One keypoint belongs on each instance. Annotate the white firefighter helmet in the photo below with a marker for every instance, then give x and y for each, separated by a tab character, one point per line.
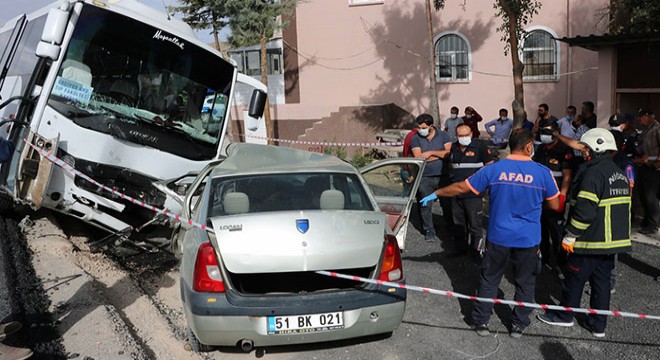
599	140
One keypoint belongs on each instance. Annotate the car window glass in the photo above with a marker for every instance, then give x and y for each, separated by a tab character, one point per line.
392	180
286	192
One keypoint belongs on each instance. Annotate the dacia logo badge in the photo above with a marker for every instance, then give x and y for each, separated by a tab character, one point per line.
302	225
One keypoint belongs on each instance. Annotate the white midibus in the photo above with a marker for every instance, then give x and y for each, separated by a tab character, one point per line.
121	92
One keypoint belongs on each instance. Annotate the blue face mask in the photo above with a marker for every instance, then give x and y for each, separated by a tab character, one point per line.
570	117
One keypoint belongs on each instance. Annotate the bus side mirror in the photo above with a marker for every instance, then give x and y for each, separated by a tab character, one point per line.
53	34
257	103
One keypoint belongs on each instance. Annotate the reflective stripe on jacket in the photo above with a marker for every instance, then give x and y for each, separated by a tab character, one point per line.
600	218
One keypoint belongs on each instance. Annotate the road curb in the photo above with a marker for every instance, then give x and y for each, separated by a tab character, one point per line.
641	238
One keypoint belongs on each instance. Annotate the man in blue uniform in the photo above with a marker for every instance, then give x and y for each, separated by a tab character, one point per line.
518	189
467	156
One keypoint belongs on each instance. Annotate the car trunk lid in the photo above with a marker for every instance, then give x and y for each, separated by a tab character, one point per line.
281	242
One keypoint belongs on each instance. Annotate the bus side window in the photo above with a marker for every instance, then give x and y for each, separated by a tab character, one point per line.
26	58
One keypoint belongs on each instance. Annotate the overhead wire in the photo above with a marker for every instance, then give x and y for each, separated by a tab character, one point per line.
368	29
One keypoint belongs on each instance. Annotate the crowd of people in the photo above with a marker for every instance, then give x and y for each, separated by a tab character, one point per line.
564	197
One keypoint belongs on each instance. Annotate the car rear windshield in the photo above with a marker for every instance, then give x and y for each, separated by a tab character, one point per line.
285	192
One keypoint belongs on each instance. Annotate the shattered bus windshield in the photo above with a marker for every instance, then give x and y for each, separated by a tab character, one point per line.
142	84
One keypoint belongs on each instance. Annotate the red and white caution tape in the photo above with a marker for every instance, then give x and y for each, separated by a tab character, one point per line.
68	168
496	301
323	143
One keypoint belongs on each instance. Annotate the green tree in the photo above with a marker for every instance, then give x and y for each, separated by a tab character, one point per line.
515	15
204	14
254	22
435	108
633	16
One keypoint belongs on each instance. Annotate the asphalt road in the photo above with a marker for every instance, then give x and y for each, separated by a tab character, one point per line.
433	327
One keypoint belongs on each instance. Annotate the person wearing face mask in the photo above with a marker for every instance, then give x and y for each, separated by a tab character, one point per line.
467	156
620	127
579	128
624	140
500	129
566	123
434	146
452	122
598	229
472	119
518	190
558	157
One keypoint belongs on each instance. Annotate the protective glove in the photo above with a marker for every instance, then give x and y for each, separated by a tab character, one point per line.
562	203
567	243
429	198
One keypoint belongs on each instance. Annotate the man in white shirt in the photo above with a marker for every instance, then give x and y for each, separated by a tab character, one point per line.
566	123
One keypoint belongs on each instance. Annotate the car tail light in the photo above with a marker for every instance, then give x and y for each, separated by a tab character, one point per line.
207	276
391	268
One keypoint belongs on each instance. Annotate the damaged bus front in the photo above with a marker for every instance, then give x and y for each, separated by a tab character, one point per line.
118	91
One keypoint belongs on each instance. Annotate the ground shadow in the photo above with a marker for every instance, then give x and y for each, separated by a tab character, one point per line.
406	58
554	350
640	266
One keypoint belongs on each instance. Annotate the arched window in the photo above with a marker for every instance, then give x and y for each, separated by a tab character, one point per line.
539	54
452	57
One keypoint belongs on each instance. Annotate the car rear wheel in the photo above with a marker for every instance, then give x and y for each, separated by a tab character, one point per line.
175	246
194	343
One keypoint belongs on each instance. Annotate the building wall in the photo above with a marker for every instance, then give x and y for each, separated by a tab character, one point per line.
377	54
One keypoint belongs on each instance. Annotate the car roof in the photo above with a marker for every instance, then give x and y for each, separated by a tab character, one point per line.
244	158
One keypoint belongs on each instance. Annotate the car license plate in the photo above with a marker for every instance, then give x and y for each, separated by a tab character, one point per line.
297	324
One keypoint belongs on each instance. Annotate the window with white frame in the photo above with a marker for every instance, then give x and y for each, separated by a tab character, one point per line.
452	58
539	55
249	61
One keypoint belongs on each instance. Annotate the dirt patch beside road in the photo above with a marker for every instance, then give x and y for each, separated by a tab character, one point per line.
105	311
28	302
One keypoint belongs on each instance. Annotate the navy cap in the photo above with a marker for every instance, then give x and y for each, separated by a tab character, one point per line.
644	111
616	120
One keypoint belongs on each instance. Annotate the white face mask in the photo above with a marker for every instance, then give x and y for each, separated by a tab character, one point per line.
532	154
453	116
503	118
546	139
616	128
424	132
465	140
469	116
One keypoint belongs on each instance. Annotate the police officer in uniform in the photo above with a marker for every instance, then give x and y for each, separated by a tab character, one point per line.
467	156
625	137
558	158
599	228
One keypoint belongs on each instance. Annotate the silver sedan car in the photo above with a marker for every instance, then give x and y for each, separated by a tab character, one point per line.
277	216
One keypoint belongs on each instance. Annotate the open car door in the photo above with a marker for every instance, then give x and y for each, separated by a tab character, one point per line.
394	183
